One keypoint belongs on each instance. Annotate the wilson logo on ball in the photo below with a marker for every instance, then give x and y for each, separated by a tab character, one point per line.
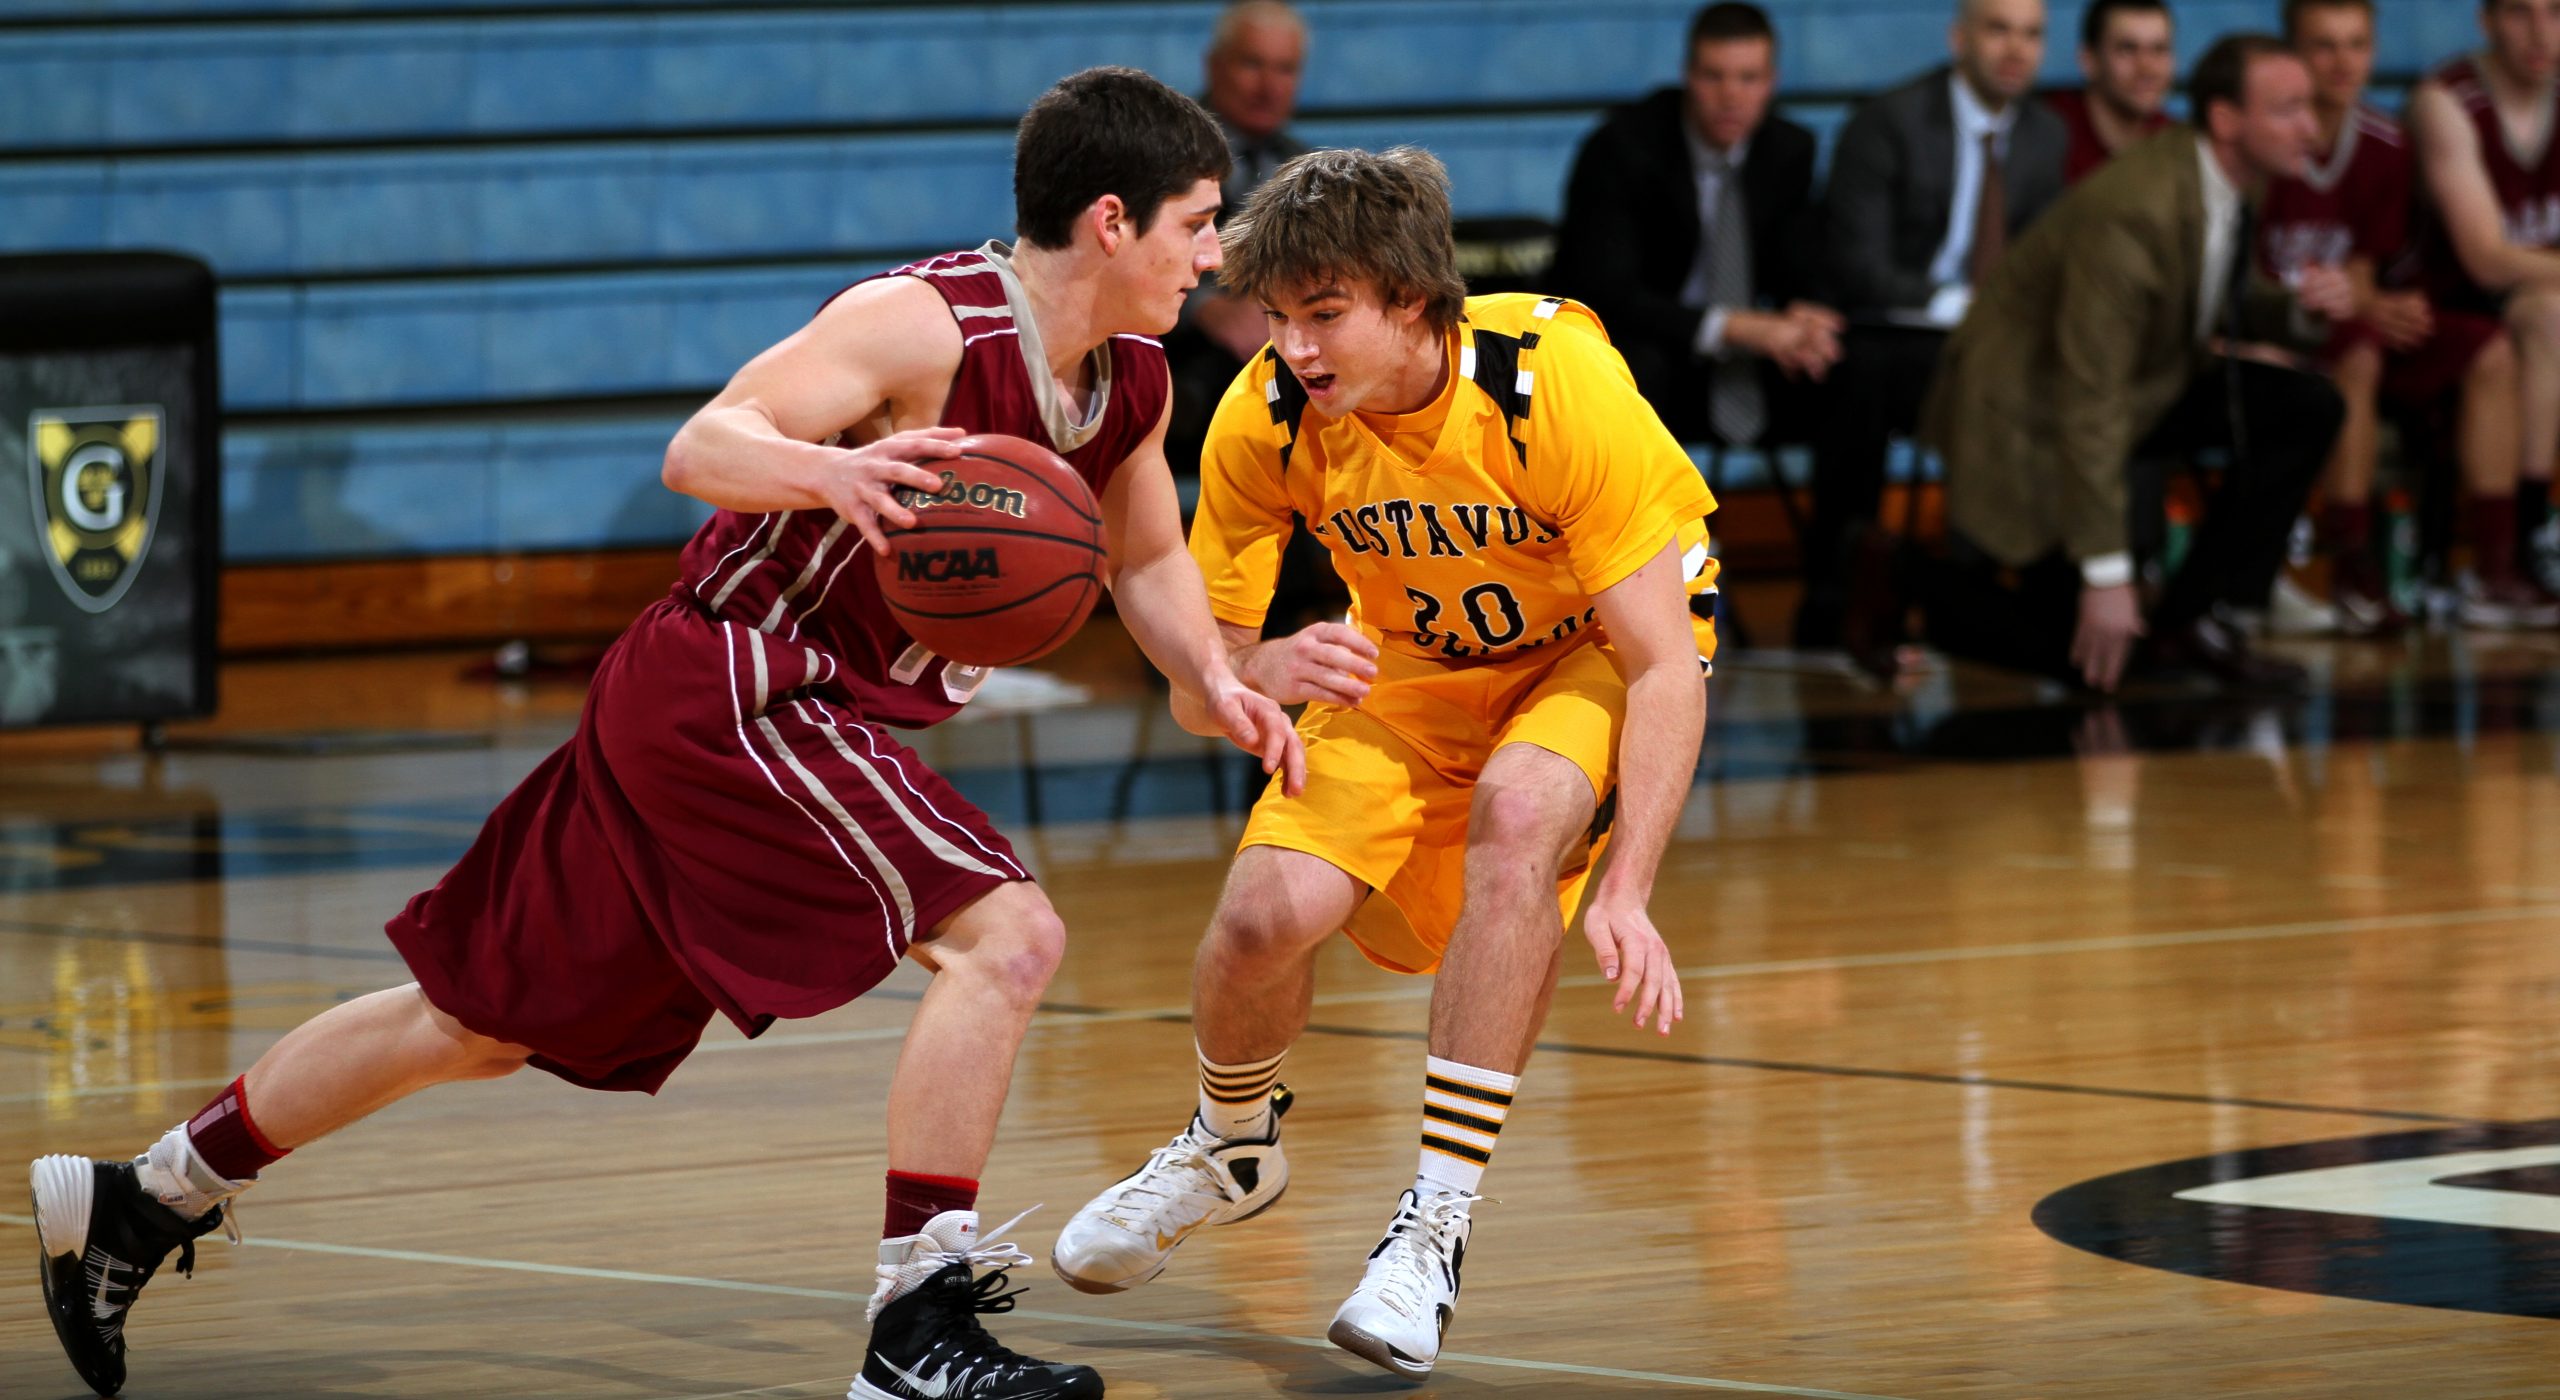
955	492
947	565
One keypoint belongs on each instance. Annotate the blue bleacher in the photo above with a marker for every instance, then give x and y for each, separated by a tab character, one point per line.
416	212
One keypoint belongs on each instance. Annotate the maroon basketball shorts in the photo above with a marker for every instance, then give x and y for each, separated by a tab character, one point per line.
2430	370
721	834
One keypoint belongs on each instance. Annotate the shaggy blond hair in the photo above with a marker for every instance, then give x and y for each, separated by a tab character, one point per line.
1380	217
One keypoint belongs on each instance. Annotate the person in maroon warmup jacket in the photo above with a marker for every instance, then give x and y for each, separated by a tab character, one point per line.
733	830
2350	209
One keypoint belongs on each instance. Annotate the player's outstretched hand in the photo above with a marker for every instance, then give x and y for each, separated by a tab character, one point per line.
860	481
1260	727
1634	956
1329	661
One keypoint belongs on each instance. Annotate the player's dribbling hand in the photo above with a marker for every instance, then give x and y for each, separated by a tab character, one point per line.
1633	955
1329	661
861	480
1256	724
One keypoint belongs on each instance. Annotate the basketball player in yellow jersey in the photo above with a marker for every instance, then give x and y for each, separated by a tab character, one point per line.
1524	542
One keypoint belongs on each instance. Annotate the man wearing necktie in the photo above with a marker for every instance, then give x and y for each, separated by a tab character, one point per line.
1931	182
1687	226
2095	348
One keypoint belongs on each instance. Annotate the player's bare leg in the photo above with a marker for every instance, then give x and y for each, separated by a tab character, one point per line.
1255	975
353	1061
2533	323
1496	980
1530	805
2358	592
104	1227
991	963
1252	985
2499	590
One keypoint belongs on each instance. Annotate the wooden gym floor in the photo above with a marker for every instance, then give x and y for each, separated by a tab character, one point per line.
1979	980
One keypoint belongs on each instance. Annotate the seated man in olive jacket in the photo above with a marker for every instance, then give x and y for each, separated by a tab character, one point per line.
2095	344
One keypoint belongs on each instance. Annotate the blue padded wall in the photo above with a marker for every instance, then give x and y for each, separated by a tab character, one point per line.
416	212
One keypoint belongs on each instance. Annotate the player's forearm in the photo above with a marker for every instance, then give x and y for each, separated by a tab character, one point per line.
2501	266
1667	707
733	457
1166	609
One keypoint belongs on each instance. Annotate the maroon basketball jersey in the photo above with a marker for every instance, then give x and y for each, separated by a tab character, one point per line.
805	576
2352	202
2527	182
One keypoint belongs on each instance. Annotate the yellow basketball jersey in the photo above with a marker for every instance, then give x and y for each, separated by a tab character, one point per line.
1478	528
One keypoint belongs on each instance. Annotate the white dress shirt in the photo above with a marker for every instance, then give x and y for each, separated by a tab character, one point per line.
2221	238
1709	165
1947	270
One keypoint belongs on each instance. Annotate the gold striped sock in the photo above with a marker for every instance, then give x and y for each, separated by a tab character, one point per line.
1235	1100
1463	1110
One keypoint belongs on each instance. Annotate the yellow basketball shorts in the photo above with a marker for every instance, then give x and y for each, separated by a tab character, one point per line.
1389	784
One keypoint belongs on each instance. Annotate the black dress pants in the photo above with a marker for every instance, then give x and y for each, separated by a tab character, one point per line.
1873	394
2276	424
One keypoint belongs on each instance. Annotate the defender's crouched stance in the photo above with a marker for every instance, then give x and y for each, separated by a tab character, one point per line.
1524	544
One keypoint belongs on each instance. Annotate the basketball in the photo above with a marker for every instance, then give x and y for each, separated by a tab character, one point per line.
1004	562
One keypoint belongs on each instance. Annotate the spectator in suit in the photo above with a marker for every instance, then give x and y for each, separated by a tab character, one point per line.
2126	55
1931	181
1252	68
2095	346
1689	226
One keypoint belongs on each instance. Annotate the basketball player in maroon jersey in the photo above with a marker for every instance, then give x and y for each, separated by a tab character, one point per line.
2483	125
2350	209
733	830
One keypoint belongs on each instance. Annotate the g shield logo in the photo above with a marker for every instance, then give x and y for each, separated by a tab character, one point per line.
2466	1218
96	477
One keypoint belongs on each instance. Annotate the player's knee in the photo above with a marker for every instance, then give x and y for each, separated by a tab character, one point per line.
1026	955
2534	318
1518	831
471	1055
1253	932
2494	366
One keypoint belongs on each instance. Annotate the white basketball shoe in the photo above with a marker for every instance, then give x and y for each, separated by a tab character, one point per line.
1401	1310
1126	1235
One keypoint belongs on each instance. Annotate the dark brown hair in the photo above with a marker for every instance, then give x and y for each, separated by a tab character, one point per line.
1726	21
1108	131
2093	20
2295	9
2222	75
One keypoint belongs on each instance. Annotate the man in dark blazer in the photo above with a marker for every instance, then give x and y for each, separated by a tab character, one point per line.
2098	346
1689	226
1930	182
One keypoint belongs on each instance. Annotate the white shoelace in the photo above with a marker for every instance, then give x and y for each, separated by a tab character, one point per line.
1419	1242
1153	1189
927	1260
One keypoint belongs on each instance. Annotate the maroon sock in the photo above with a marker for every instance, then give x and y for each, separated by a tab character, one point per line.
915	1198
2490	523
2349	525
227	1139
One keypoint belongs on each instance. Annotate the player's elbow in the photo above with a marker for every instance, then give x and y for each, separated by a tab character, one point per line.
2488	263
681	469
